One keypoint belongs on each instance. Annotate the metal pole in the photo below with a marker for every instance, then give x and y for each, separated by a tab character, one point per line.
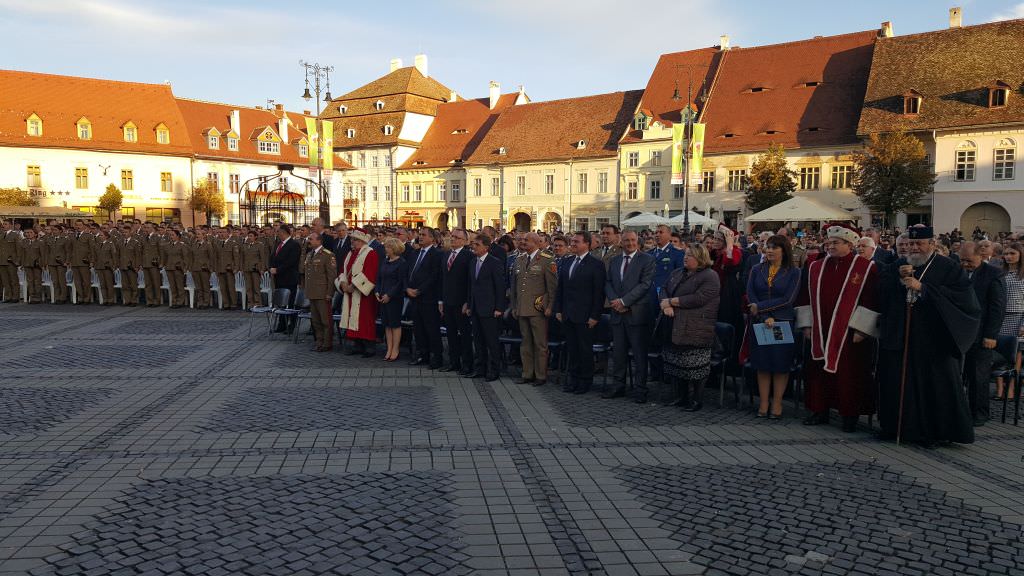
686	154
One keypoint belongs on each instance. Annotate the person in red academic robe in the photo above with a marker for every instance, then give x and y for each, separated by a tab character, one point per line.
838	310
359	305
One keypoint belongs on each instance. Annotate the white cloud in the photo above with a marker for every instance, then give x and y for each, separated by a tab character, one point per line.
1014	12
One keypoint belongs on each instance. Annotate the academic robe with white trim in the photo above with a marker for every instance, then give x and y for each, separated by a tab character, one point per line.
360	310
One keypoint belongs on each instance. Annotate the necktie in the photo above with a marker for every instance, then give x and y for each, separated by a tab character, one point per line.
279	246
451	258
572	270
479	263
423	252
625	266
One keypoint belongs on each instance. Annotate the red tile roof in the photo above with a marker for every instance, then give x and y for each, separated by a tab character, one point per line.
765	88
406	80
60	101
201	116
545	131
951	70
456	132
672	71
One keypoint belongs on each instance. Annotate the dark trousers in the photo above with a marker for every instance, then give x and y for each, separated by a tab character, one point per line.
201	281
58	275
460	338
287	323
628	338
426	322
579	342
106	276
977	373
228	292
488	349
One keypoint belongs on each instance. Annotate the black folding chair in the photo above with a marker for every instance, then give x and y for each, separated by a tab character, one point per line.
1008	347
278	299
603	343
556	347
726	335
510	337
288	312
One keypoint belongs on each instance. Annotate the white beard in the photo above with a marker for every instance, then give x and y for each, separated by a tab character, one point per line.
918	260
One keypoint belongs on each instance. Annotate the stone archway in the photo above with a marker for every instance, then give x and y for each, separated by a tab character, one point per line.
522	221
989	216
552	222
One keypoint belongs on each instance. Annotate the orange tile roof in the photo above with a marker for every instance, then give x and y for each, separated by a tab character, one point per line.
672	71
406	80
951	70
456	131
764	88
201	116
549	131
60	101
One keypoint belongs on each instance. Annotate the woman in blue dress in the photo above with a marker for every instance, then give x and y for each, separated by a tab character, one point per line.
390	290
771	290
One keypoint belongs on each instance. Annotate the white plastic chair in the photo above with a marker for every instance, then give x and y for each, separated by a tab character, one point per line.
165	283
94	284
48	283
69	279
266	286
142	280
23	282
240	290
215	289
190	287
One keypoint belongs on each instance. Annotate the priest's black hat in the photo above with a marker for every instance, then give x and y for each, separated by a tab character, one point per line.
920	232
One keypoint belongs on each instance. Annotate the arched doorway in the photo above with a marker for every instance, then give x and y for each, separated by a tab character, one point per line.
990	217
442	221
522	221
552	222
348	218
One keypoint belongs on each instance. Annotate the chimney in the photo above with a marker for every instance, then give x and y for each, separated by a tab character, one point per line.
886	31
307	112
956	17
279	108
420	62
396	63
453	96
494	93
282	129
723	42
236	124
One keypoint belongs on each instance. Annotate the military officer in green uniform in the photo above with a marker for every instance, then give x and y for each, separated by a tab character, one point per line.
321	269
55	255
254	264
105	260
202	258
175	262
151	248
30	255
10	285
533	294
226	263
80	261
130	262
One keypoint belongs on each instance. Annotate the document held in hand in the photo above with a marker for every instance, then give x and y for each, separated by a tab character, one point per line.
779	333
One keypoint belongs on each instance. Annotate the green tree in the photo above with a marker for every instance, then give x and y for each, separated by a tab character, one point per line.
892	174
111	201
206	198
771	179
16	197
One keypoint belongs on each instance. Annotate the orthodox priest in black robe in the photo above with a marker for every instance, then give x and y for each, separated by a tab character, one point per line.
943	323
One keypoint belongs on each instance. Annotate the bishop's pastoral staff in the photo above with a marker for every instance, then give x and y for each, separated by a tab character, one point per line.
930	318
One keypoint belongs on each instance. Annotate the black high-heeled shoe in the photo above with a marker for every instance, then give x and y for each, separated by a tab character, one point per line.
693	407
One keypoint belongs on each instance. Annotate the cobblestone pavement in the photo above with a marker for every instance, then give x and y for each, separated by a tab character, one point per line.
154	441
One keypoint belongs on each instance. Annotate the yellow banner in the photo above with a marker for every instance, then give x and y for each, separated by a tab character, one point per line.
314	142
697	154
328	141
677	153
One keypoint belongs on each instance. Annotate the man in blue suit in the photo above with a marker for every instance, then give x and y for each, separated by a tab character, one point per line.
626	287
666	259
579	300
486	306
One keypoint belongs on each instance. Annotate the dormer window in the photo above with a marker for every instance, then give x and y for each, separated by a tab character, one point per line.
998	93
131	133
303	150
232	144
771	132
812	84
460	131
814	129
350	133
419	163
640	122
213	142
163	135
728	135
389	129
34	125
912	102
757	89
581	145
379	104
502	151
342	109
84	129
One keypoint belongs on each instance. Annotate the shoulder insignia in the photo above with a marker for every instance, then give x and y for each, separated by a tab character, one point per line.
545	255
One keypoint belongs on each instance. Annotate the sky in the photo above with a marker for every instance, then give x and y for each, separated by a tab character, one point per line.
246	52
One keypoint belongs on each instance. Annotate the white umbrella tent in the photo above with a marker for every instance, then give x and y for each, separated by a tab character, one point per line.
645	219
801	209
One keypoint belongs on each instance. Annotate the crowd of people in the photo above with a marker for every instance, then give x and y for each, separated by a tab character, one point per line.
902	323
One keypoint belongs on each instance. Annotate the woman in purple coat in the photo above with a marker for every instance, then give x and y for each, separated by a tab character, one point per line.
771	290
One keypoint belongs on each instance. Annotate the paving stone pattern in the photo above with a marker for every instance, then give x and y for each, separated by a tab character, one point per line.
148	441
373	523
30	409
358	408
822	519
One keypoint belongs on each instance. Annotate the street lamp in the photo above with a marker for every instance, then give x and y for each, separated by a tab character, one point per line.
318	72
689	115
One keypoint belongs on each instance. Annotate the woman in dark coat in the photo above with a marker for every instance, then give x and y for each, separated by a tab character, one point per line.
691	300
771	290
390	288
727	260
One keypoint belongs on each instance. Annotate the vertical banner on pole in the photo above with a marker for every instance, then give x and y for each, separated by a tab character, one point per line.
677	153
314	142
328	142
697	155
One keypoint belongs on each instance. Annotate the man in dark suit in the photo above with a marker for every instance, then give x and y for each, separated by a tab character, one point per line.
486	306
284	269
340	245
424	292
991	293
496	250
455	293
627	287
579	300
411	249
